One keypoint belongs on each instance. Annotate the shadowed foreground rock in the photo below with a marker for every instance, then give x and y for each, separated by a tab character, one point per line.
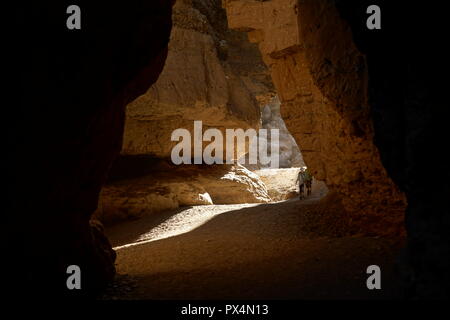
408	96
67	129
154	185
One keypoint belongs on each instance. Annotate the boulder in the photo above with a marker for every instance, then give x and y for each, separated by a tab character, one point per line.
166	186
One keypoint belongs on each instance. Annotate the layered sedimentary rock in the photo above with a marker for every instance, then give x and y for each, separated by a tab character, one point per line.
213	75
198	83
163	186
321	78
66	130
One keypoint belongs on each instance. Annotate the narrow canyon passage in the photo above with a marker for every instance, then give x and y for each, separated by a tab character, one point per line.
290	249
188	229
139	120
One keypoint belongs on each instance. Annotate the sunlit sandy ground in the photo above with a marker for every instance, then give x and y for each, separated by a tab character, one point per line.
284	250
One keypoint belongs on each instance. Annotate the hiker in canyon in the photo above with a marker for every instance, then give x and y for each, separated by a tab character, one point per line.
301	185
301	190
308	180
304	179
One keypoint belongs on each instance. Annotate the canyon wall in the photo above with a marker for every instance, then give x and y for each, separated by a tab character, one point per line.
73	86
320	77
199	81
346	89
211	74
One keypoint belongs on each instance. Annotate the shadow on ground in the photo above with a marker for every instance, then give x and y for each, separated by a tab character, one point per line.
287	250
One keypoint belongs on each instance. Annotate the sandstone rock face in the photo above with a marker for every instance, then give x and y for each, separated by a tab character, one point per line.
213	75
237	185
196	84
72	88
166	186
321	80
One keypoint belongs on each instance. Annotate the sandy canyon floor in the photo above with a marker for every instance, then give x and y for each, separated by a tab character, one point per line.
294	249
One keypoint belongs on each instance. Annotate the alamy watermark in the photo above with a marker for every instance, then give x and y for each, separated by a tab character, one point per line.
374	280
226	149
73	22
374	20
74	279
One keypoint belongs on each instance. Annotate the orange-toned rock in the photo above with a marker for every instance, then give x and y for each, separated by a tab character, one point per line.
320	78
167	186
194	85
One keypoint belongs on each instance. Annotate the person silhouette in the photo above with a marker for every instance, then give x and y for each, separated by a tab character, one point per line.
308	179
301	183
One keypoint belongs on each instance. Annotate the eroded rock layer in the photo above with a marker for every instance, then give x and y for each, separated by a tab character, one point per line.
214	75
159	185
201	81
321	78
